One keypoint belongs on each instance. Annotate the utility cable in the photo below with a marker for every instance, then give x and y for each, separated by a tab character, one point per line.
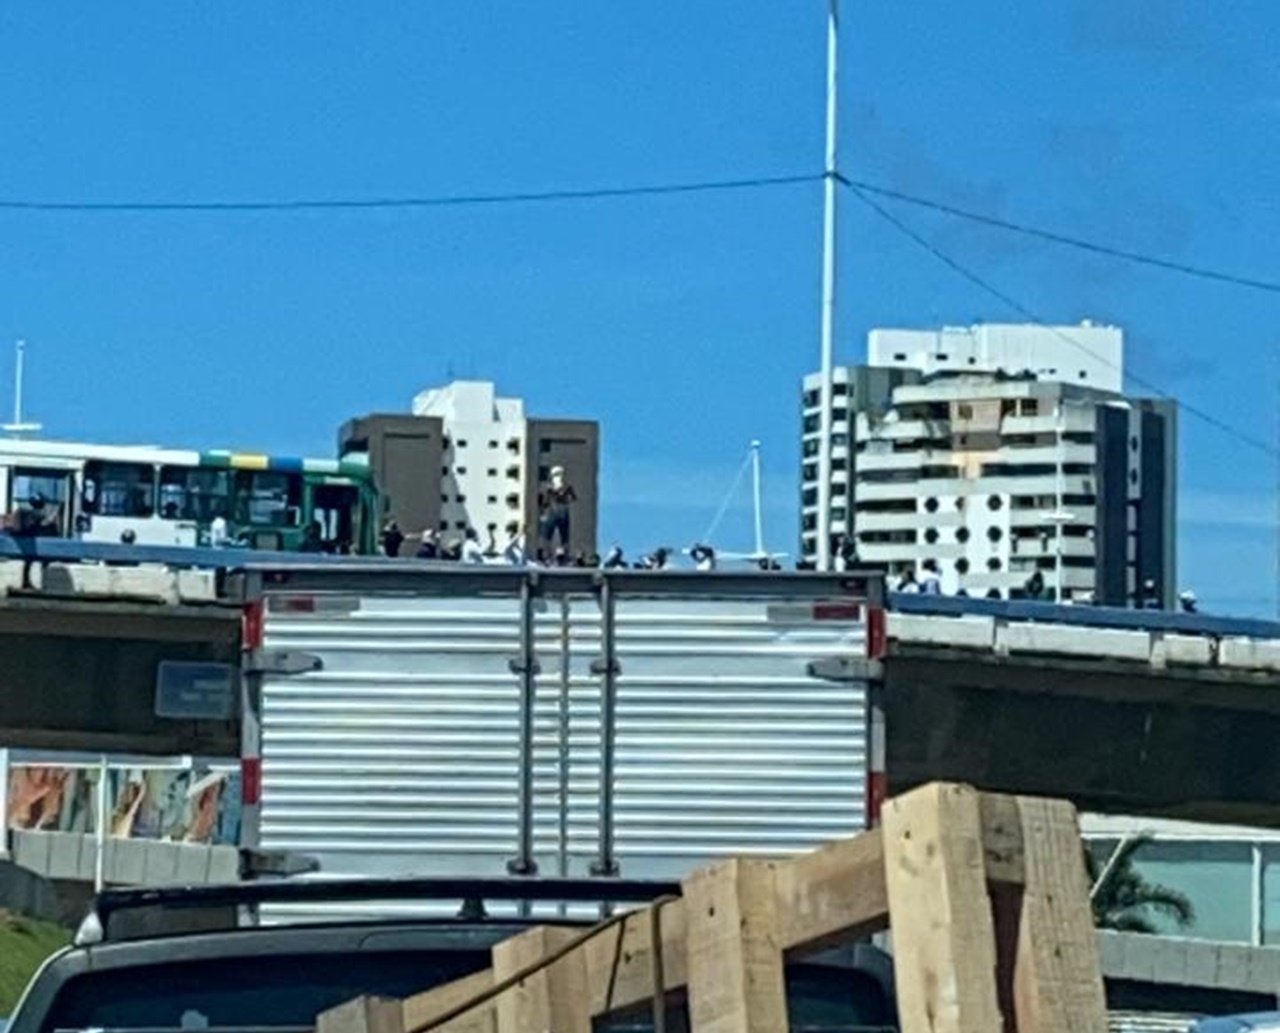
1017	306
436	201
1082	244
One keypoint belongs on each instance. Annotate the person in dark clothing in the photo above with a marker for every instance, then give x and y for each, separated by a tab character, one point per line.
615	559
429	549
1150	596
312	538
1034	588
392	539
554	505
34	520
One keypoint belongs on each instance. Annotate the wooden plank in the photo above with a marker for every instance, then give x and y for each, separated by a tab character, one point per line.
733	951
834	893
362	1015
1057	975
619	962
554	998
423	1009
944	943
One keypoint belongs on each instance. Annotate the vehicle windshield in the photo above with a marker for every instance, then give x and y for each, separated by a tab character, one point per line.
245	993
283	993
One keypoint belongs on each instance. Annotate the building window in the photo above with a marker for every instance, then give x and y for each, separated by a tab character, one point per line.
492	500
943	356
810	424
513	528
809	496
444	525
839	463
513	472
994	563
962	534
513	501
493	473
444	498
964	411
1083	375
899	356
994	502
544	473
444	471
994	533
962	566
840	389
513	446
462	471
810	399
810	522
462	443
931	505
459	525
810	448
461	498
493	444
544	446
810	471
931	535
993	593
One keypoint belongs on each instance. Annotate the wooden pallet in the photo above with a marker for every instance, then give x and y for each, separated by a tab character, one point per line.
985	896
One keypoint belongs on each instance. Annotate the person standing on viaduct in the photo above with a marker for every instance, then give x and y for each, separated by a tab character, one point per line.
554	506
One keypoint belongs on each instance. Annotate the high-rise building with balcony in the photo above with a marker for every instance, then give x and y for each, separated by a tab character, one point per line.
996	452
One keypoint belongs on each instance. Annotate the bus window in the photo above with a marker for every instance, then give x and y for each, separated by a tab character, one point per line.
54	486
118	489
265	498
194	493
335	507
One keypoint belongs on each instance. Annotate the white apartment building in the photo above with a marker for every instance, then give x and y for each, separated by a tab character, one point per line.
995	455
482	481
1088	355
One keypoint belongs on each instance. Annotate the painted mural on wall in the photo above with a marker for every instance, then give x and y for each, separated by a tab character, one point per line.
190	806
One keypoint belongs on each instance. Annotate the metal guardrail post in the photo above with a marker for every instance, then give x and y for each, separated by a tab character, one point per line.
526	665
606	666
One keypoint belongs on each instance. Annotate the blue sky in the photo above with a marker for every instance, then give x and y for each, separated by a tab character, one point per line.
683	323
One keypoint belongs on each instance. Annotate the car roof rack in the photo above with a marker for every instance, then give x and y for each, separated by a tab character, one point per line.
471	891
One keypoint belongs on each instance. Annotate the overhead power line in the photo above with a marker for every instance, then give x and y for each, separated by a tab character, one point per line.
1080	243
1017	306
430	201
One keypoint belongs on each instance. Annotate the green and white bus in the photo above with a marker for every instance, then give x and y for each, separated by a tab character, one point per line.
159	496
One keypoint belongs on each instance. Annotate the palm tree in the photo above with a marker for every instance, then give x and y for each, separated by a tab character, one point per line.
1125	900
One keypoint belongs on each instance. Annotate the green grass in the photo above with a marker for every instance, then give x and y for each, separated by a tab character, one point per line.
24	944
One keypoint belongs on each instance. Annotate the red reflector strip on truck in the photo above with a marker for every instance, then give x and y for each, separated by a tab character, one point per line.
250	781
877	633
836	611
251	626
